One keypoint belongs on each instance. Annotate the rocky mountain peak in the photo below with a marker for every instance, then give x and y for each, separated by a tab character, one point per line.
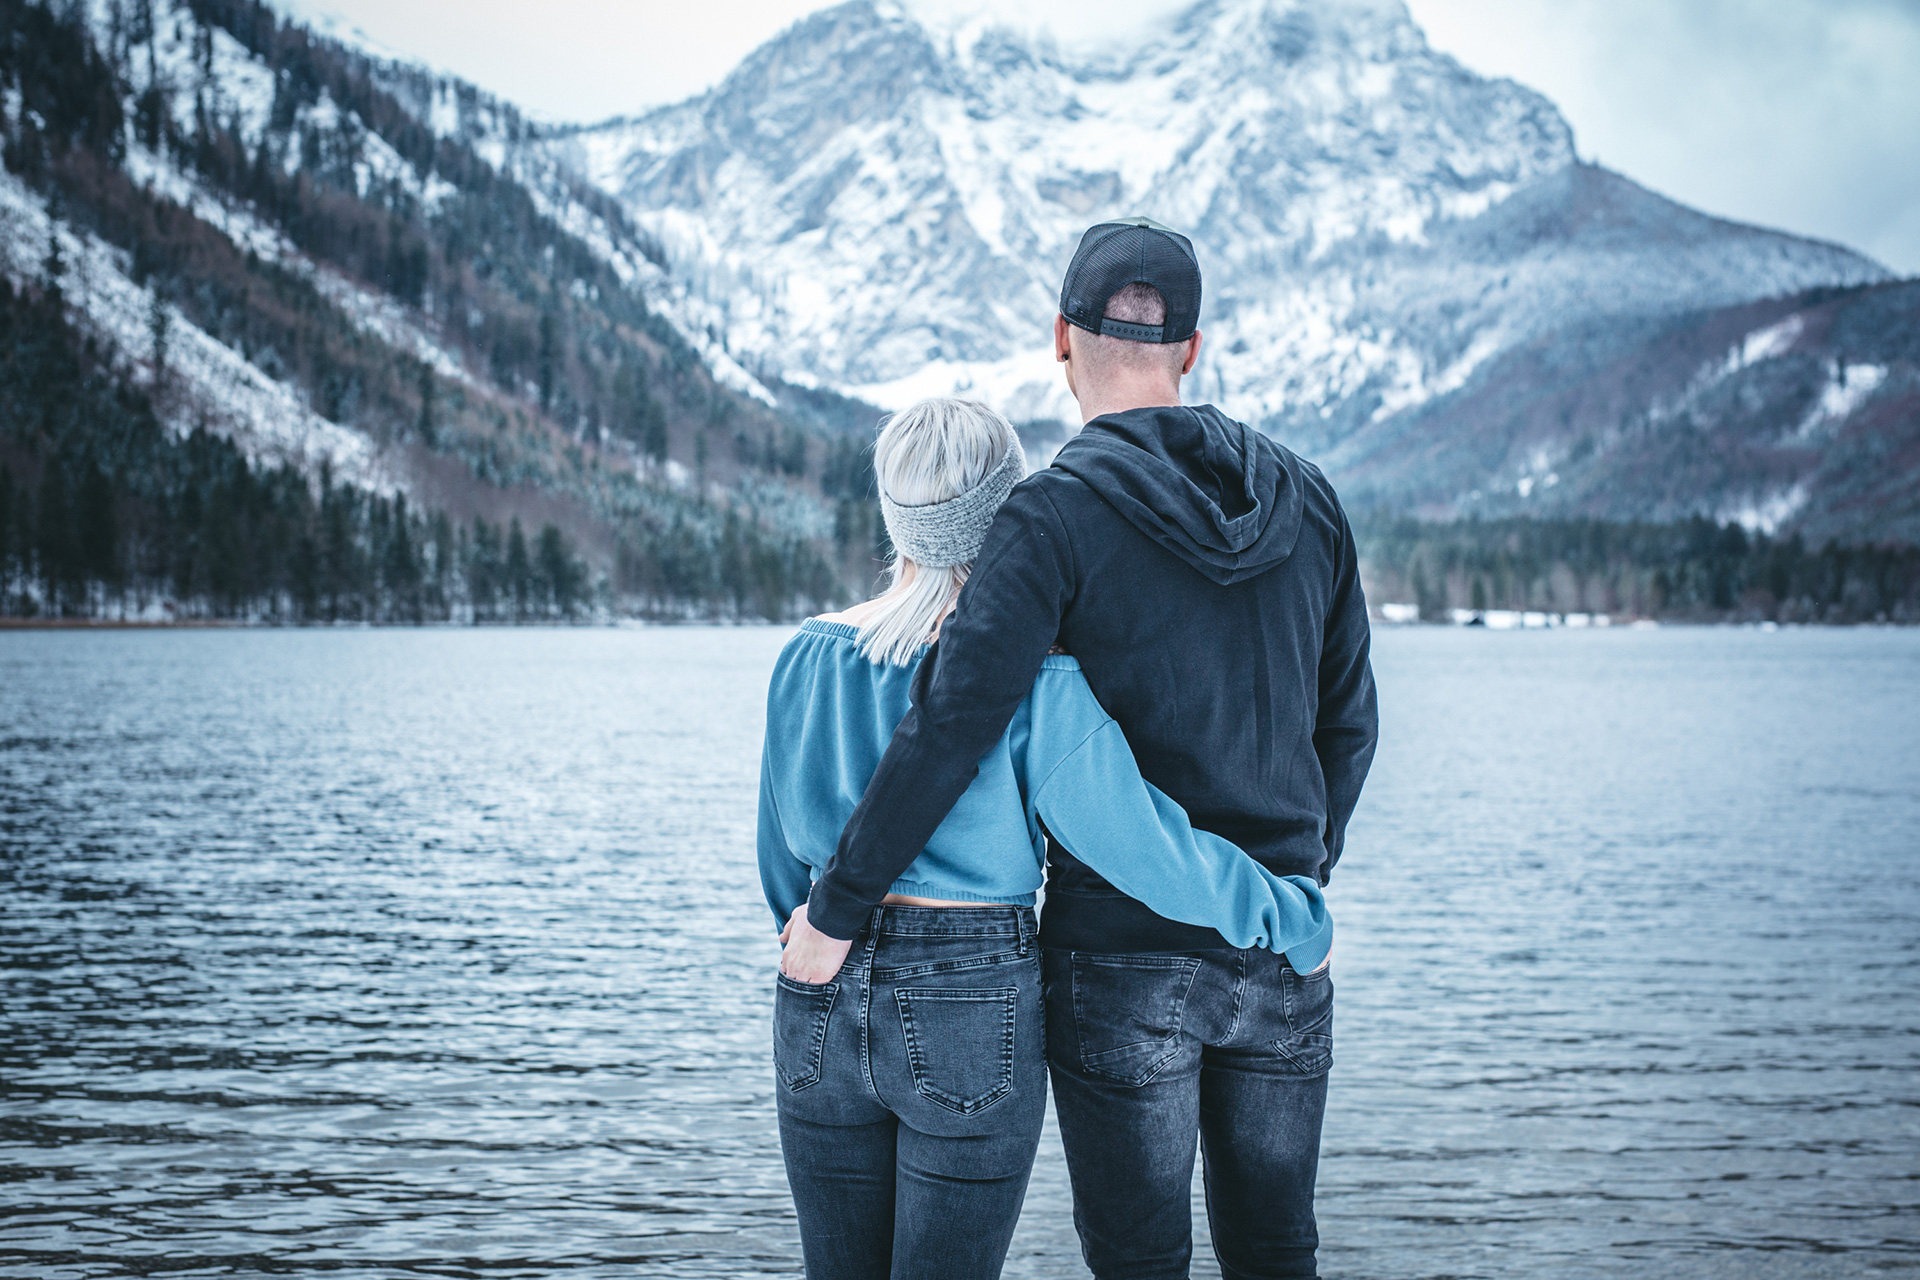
884	204
880	201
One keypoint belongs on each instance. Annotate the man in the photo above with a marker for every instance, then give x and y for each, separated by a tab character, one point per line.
1206	580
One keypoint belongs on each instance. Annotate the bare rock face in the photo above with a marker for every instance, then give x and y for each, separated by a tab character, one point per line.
884	205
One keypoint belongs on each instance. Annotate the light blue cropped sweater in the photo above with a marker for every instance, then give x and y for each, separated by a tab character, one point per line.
830	715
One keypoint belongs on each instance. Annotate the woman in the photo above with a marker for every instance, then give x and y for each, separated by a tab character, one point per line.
912	1086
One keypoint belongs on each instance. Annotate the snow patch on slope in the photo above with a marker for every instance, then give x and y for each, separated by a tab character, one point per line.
210	385
1767	514
1774	340
1848	387
373	313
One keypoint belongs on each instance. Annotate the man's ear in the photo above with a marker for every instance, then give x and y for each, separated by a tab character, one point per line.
1193	354
1063	352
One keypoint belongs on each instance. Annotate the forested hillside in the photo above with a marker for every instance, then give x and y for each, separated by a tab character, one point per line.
125	518
1799	414
231	232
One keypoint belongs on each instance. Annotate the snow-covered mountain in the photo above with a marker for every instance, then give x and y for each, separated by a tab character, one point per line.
349	264
884	204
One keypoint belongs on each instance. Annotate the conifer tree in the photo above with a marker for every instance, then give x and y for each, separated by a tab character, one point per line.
654	437
518	571
225	551
54	545
159	327
548	355
336	556
429	433
559	570
442	557
484	571
6	535
99	530
402	568
54	267
793	452
303	578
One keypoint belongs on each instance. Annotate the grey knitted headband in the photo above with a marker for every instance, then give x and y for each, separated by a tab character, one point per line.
949	532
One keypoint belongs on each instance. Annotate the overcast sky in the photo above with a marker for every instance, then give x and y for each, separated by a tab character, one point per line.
1799	114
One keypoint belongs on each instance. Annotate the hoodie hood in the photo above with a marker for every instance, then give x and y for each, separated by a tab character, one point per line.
1215	492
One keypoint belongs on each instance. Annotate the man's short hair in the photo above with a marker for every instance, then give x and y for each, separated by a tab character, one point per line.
1136	304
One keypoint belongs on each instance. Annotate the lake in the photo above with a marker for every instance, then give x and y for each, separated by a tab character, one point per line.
402	953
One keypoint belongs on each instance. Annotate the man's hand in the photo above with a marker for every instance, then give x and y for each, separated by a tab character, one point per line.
810	955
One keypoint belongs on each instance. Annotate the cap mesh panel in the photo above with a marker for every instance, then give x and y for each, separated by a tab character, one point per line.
1114	255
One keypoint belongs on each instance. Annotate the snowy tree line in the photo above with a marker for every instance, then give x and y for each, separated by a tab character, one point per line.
1695	569
104	514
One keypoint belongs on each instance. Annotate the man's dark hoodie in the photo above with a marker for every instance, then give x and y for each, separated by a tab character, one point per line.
1205	578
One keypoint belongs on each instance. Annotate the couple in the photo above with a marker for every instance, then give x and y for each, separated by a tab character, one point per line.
1145	668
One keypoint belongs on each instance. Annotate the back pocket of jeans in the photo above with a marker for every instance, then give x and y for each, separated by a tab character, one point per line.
800	1012
1127	1012
1308	1045
959	1044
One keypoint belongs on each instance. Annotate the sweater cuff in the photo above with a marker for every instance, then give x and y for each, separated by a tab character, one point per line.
1305	956
837	914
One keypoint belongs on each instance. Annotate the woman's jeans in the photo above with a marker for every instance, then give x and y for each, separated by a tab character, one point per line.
1146	1051
911	1091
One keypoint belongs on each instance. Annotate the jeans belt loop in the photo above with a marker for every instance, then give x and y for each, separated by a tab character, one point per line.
1020	924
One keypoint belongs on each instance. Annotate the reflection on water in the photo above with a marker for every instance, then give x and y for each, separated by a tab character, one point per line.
393	953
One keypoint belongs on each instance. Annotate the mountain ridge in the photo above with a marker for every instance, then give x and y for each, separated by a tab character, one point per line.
883	207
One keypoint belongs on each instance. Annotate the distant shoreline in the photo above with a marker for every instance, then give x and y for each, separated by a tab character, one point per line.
109	624
242	624
1379	625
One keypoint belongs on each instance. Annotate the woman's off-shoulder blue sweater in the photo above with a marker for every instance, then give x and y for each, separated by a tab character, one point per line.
1063	761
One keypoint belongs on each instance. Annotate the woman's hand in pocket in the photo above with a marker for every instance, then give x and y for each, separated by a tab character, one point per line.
810	955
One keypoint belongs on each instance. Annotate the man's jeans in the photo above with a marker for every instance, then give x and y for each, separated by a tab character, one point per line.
1147	1049
911	1091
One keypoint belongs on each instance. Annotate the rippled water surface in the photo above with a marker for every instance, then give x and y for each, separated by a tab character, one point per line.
395	953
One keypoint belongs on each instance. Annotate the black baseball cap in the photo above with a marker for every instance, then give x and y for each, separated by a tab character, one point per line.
1128	251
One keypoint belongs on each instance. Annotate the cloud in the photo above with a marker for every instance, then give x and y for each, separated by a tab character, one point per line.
1093	23
569	59
1799	114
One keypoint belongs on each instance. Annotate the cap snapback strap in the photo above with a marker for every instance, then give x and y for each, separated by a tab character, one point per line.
1132	332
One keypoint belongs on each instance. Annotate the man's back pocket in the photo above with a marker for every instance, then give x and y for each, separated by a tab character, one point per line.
1127	1012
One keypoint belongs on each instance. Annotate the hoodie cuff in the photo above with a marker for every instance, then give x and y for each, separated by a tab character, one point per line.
834	913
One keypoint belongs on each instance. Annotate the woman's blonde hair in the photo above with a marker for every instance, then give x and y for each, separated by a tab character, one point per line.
931	452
